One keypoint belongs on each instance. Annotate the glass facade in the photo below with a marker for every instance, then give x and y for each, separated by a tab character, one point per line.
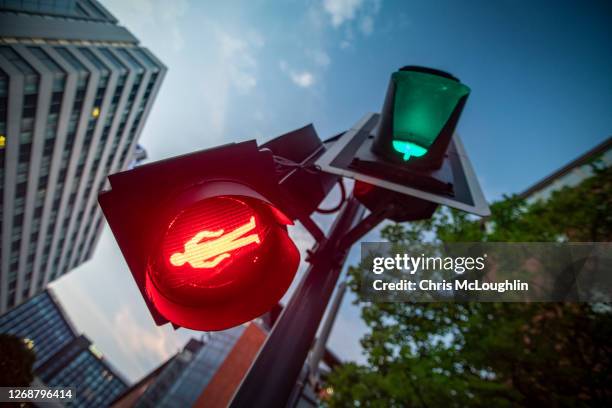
63	358
41	321
68	9
78	366
39	6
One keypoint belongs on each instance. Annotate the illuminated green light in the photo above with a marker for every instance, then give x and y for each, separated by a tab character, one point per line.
409	149
422	106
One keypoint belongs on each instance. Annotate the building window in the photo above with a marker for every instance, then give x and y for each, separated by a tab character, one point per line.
29	106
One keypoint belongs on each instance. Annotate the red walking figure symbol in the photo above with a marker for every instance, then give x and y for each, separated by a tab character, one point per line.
214	250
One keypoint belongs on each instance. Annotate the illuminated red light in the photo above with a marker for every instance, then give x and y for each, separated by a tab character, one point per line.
204	244
231	254
208	249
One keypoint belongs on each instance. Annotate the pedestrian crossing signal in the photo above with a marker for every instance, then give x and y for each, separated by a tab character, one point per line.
205	240
419	116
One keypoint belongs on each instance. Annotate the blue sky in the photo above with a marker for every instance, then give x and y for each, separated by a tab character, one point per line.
541	81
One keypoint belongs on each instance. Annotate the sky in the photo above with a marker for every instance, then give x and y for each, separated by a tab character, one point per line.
540	74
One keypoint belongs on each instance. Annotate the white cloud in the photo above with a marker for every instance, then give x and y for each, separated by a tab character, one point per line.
256	39
357	14
153	15
140	341
316	17
208	63
302	78
229	64
367	25
238	55
319	57
341	10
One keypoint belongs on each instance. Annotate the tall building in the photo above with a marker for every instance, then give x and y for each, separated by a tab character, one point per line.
75	91
80	365
42	320
63	357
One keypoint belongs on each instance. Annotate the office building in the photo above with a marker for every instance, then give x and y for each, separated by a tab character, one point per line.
75	91
63	357
80	365
42	320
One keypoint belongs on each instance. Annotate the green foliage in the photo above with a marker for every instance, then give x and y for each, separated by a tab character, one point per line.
16	361
490	354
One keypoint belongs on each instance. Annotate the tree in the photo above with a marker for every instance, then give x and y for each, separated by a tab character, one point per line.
16	361
490	354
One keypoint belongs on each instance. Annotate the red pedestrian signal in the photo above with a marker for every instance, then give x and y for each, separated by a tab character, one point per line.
205	240
211	232
221	261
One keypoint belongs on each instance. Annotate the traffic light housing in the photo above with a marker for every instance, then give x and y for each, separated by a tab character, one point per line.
408	158
204	235
419	116
224	258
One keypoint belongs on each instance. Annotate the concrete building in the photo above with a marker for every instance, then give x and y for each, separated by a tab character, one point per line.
75	91
63	357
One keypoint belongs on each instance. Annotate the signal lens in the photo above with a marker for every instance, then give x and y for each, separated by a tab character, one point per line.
221	261
423	104
204	244
408	149
212	231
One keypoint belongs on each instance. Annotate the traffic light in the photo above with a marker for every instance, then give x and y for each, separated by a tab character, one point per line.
419	116
408	159
224	258
205	234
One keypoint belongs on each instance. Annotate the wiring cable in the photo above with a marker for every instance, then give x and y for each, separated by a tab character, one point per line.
342	200
283	162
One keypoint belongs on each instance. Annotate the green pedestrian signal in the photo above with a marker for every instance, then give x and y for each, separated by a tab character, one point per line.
423	104
421	110
408	149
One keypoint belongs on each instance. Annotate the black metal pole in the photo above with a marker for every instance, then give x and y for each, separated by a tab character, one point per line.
275	370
